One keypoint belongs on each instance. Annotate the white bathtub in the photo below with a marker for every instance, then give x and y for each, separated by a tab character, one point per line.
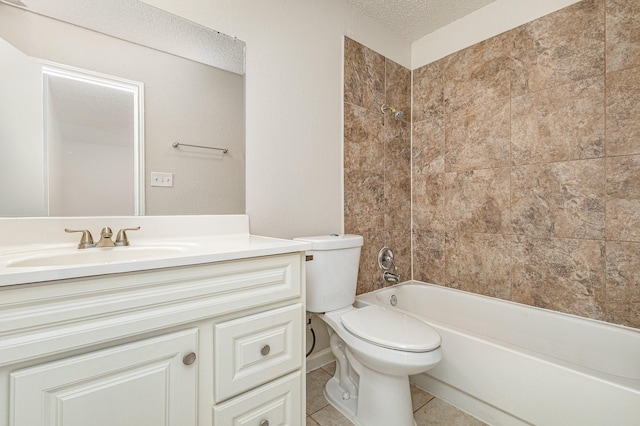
507	363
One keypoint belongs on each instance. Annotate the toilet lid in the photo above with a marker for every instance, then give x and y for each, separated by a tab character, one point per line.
391	329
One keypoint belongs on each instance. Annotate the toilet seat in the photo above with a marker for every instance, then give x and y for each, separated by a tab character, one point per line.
390	329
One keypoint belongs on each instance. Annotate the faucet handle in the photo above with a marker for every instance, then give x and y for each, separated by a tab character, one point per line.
121	238
86	241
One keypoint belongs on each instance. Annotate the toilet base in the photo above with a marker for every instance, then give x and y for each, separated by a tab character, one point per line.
381	400
347	407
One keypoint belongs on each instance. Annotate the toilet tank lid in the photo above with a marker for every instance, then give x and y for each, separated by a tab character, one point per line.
333	241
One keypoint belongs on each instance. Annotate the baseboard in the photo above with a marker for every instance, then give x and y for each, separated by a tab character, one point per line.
318	359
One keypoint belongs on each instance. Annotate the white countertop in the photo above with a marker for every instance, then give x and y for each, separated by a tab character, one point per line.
201	242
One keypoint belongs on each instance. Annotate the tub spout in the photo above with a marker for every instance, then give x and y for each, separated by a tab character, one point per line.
391	277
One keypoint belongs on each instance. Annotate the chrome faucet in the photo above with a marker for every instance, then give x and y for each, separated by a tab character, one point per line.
385	261
391	277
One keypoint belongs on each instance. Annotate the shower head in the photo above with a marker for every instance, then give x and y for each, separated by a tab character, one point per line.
397	115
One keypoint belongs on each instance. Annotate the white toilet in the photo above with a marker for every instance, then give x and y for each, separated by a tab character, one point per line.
376	348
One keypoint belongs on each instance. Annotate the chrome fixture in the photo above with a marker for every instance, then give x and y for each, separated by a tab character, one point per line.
86	241
177	144
386	263
121	238
393	300
397	115
105	238
390	277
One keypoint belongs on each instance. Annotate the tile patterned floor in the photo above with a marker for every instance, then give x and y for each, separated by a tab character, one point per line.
429	411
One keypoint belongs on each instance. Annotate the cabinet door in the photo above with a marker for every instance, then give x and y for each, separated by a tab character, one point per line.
138	384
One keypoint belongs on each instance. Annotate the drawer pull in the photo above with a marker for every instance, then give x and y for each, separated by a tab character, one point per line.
265	351
264	423
189	358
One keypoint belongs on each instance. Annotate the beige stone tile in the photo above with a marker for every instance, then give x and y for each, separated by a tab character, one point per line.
329	416
316	380
428	146
364	73
398	88
564	46
478	137
363	139
623	177
397	175
419	397
397	145
479	263
623	283
428	91
364	200
369	274
479	74
623	110
428	202
623	220
559	199
330	368
623	198
559	124
439	413
311	422
477	201
623	34
565	275
429	256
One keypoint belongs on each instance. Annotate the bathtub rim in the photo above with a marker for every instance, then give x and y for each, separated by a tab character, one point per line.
629	383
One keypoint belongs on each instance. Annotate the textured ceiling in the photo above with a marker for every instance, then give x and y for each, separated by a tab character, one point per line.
413	19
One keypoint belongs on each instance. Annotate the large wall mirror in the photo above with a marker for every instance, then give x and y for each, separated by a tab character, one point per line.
95	96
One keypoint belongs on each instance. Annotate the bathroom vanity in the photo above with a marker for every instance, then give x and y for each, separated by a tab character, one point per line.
202	325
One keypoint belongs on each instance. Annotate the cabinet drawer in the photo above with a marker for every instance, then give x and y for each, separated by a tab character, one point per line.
256	349
276	403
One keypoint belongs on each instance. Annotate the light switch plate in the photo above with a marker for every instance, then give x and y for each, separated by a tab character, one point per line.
161	179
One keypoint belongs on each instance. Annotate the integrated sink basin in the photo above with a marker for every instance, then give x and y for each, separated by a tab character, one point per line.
68	257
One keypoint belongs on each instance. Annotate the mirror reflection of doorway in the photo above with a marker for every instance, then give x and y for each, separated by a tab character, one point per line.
93	143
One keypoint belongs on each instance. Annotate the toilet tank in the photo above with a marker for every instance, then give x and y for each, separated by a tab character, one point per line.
332	275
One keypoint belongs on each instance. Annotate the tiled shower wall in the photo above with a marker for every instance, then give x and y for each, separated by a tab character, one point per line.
526	165
377	152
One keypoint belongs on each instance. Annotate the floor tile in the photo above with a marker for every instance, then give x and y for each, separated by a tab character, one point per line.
329	416
316	380
438	412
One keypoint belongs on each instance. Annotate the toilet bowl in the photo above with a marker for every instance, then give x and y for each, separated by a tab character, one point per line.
376	348
363	343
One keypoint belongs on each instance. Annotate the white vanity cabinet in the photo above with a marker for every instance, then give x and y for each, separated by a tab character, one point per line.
208	344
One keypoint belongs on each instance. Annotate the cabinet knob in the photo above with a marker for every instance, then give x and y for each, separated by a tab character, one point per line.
265	351
264	423
189	358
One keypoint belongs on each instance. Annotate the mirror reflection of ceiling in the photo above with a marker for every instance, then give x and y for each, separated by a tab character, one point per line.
144	24
414	19
76	102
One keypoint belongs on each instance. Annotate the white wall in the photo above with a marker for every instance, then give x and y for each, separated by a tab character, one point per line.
21	147
491	20
293	102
